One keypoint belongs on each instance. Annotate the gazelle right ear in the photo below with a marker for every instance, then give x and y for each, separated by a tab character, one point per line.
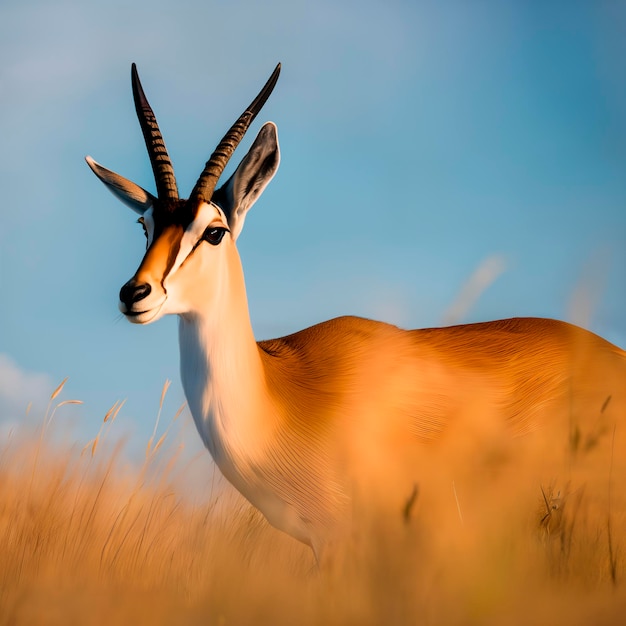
132	195
251	177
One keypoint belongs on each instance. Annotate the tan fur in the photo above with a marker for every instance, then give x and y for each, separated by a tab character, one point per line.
160	257
364	405
521	366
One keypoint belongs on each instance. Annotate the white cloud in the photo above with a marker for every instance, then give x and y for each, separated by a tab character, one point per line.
22	393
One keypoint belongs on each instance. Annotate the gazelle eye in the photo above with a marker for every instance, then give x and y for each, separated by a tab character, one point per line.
214	234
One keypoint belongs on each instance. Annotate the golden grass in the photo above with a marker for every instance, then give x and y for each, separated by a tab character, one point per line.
84	539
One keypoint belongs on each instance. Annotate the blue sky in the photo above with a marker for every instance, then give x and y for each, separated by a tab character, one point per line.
422	142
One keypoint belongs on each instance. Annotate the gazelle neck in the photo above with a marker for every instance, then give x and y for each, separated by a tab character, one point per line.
222	372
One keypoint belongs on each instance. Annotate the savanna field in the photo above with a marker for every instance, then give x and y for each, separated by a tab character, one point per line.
86	537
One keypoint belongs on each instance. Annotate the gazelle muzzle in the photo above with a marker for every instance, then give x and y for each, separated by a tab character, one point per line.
133	292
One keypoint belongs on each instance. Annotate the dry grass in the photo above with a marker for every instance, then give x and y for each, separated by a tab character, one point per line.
85	540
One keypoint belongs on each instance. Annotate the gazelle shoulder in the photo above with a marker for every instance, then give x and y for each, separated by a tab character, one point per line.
334	334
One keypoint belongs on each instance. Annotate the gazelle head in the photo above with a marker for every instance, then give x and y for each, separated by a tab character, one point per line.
189	241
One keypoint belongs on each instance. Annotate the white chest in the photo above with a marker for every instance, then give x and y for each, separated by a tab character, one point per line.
226	394
224	389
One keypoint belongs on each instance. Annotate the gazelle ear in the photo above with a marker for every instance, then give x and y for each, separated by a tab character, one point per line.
134	196
251	177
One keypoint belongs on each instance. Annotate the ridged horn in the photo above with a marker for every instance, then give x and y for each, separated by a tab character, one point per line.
214	167
159	159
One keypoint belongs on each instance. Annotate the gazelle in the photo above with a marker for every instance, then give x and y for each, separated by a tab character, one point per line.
300	423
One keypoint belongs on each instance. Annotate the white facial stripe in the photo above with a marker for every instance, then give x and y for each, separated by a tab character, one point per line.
148	221
207	214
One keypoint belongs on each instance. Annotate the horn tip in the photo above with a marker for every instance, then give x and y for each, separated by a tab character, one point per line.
93	165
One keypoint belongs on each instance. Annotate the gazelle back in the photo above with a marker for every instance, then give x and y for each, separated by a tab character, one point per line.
303	424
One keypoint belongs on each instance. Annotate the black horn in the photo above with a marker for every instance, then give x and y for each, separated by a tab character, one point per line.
160	160
214	167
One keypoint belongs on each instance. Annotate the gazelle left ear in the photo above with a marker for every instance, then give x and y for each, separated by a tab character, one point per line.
134	196
251	177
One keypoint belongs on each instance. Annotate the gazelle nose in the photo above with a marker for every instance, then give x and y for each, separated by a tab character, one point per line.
132	292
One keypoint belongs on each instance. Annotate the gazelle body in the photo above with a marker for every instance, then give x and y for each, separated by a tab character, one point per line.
301	423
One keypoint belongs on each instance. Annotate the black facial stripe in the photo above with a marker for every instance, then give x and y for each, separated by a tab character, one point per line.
171	259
